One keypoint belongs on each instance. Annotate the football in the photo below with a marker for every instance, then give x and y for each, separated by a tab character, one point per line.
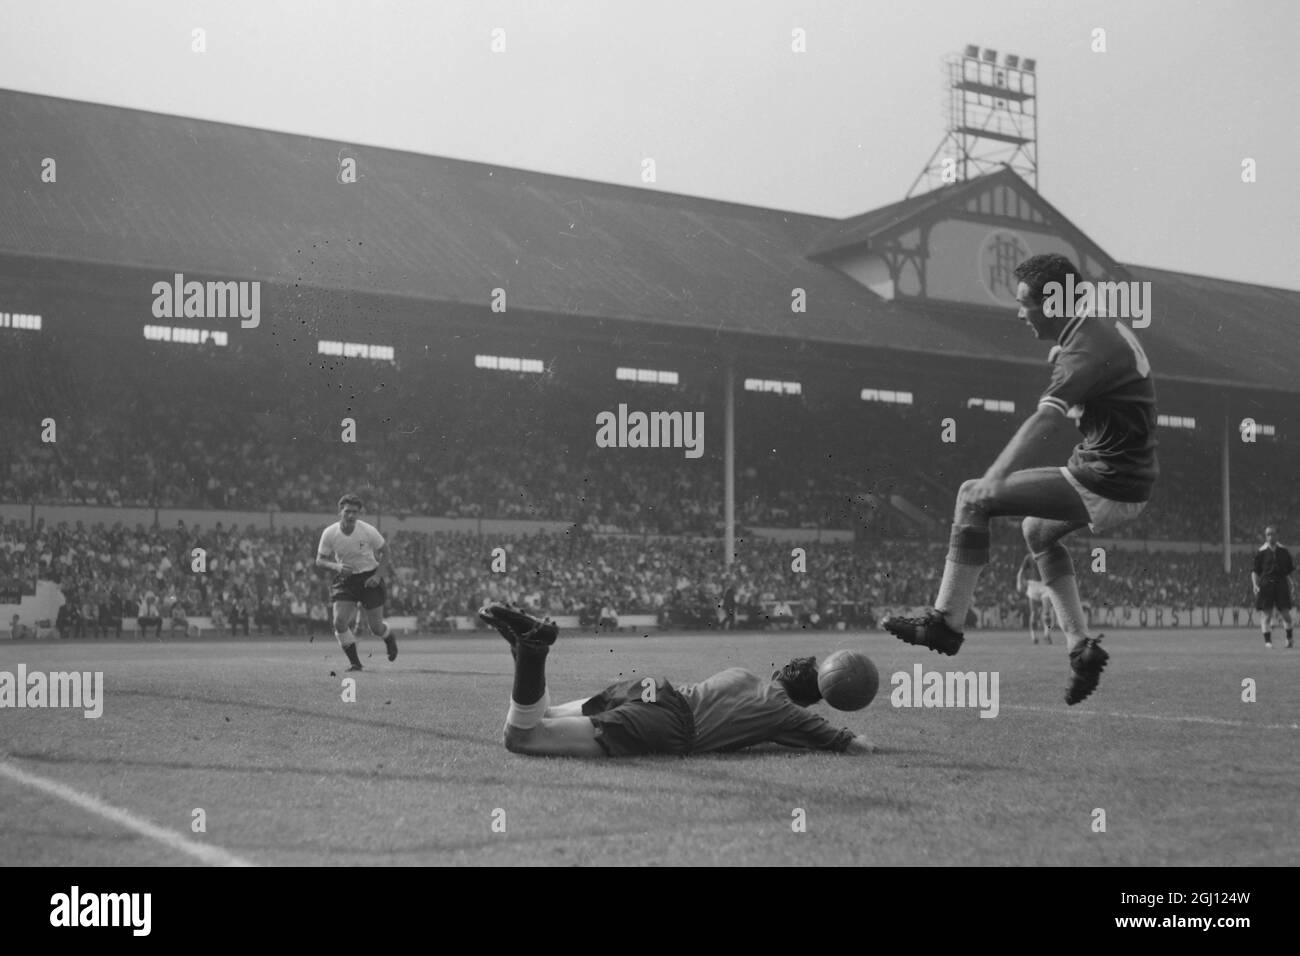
848	680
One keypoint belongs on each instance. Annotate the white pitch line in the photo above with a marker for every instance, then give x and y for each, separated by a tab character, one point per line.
1190	720
205	853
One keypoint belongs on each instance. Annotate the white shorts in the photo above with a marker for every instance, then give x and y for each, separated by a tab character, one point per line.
1037	590
1103	512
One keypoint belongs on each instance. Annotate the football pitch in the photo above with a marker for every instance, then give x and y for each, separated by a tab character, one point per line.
254	740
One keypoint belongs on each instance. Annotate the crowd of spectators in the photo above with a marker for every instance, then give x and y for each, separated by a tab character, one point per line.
265	581
521	447
160	460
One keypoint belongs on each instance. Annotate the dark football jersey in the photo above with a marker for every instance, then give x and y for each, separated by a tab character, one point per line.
736	708
1273	564
1101	376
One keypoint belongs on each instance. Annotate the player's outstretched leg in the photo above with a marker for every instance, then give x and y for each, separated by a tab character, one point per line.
530	641
529	729
570	708
1087	659
379	627
344	617
968	551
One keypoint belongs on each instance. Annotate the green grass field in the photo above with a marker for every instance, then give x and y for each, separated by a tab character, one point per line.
256	734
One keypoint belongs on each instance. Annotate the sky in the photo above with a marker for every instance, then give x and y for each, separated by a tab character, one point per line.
1141	144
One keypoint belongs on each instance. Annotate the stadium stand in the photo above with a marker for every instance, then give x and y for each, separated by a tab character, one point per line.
600	277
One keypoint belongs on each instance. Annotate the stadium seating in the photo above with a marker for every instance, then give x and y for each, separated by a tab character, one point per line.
264	451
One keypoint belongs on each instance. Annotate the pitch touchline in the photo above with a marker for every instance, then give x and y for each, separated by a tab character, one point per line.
203	852
1190	720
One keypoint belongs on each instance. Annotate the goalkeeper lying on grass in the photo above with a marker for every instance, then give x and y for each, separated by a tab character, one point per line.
730	710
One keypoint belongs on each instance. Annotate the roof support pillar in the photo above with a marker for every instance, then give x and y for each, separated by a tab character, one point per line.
1227	500
729	458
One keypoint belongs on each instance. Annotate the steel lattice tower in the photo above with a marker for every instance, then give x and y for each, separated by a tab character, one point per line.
992	120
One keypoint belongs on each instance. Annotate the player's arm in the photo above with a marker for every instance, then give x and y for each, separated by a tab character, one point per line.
385	569
814	732
1254	572
325	561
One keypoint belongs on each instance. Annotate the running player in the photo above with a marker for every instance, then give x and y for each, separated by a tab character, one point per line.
1101	376
1271	579
355	552
1040	600
731	710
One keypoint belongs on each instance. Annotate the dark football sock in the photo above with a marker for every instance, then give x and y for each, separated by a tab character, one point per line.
530	673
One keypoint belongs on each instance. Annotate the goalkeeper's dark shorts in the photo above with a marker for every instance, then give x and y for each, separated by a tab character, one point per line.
353	588
627	724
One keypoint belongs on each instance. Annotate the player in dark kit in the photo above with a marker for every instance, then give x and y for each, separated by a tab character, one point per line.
1101	377
731	710
1271	578
354	551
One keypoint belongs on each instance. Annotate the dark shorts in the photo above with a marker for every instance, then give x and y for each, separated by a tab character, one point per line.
626	725
1273	596
353	588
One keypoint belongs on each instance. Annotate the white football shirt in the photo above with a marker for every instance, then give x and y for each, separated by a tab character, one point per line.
357	549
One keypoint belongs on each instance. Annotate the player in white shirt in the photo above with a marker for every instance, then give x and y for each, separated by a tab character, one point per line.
1040	599
355	552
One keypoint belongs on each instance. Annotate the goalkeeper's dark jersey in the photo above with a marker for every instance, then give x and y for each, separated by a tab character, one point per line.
1101	376
736	708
